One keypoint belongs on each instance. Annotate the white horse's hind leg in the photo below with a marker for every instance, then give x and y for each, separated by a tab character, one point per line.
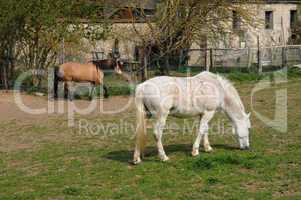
203	132
137	154
158	129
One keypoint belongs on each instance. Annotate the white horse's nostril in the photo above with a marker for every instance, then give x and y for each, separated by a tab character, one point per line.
245	148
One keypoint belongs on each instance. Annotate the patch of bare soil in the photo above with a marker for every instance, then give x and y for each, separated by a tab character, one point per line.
21	128
24	107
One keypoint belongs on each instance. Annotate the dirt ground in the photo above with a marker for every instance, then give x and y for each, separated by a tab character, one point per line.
21	129
13	109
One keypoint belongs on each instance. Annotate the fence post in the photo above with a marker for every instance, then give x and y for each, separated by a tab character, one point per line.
205	58
180	59
249	58
284	57
140	70
145	66
259	54
211	60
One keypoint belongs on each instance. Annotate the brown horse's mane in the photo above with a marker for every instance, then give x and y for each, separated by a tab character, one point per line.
104	64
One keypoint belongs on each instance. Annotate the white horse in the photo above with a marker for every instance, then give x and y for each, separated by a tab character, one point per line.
201	95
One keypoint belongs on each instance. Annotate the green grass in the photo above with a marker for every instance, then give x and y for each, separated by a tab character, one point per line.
56	162
117	85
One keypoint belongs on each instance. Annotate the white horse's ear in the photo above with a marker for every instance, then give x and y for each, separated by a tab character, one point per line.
233	130
249	115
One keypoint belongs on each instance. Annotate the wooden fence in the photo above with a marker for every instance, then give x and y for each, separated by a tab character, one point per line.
260	58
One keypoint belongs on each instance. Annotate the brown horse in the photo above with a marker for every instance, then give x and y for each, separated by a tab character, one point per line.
91	72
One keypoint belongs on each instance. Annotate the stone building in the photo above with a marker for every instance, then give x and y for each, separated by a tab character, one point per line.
276	22
277	17
123	36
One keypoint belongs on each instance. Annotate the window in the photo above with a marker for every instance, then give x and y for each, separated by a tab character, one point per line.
294	18
149	12
137	13
236	21
269	20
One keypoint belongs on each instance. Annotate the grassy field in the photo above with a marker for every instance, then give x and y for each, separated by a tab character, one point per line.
48	160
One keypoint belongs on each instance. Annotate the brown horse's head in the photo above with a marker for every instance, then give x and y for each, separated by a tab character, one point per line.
109	64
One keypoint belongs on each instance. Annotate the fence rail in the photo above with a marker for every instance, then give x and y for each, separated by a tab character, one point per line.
211	59
261	58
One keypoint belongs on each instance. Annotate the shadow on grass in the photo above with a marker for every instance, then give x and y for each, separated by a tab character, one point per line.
225	147
125	156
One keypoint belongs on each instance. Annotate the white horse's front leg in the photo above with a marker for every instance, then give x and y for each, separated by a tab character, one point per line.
159	126
203	132
207	146
196	145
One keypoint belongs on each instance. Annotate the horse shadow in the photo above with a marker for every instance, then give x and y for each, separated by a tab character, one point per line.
125	156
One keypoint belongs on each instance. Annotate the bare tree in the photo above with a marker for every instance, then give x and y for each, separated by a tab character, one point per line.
179	23
31	32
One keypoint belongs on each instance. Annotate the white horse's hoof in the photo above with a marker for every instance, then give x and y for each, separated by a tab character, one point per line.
164	158
208	149
195	152
137	161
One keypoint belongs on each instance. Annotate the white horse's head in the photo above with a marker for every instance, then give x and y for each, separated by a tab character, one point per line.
242	131
236	111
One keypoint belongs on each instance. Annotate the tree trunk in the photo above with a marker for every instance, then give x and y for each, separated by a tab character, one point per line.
11	72
12	63
1	76
4	77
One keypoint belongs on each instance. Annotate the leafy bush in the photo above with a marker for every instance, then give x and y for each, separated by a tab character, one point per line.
239	76
117	90
294	72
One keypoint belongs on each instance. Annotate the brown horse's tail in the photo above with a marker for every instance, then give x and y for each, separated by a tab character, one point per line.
55	81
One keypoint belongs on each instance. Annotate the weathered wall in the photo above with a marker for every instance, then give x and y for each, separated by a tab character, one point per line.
126	36
279	35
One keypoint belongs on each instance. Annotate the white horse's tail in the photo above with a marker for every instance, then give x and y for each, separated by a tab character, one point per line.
141	123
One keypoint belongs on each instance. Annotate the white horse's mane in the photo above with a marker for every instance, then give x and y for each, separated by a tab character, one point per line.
230	89
228	86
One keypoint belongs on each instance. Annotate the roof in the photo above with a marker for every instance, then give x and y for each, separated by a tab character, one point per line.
145	4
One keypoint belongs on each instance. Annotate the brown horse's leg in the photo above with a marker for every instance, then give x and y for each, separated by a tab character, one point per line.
55	83
92	92
68	94
105	89
66	90
70	91
55	89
